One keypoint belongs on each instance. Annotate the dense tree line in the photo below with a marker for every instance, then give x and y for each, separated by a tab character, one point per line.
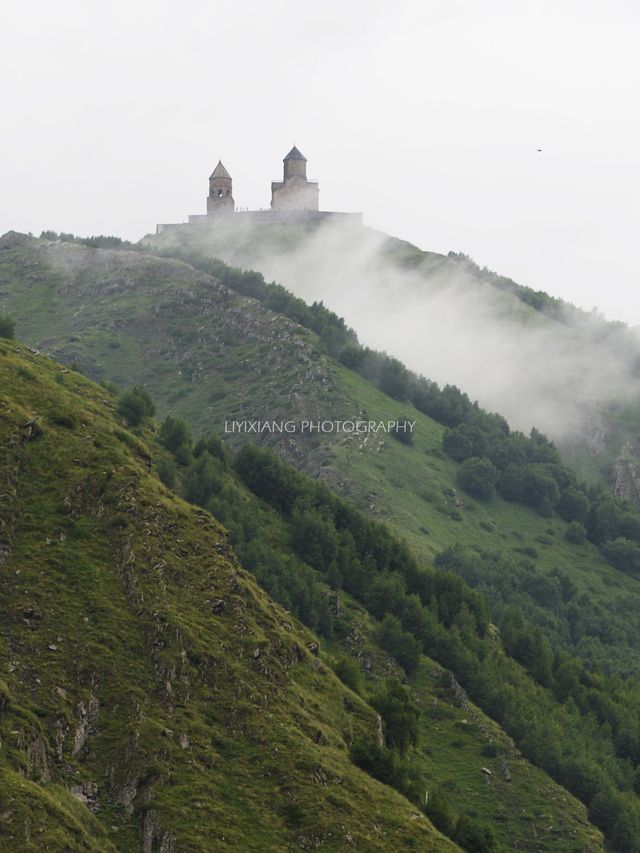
528	470
98	241
553	307
606	636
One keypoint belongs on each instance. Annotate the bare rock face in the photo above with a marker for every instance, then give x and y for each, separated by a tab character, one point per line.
14	240
126	795
87	793
38	767
87	721
626	478
154	839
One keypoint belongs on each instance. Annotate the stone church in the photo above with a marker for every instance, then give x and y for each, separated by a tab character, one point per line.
293	199
294	191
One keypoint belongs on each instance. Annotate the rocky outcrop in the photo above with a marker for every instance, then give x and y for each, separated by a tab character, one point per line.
626	477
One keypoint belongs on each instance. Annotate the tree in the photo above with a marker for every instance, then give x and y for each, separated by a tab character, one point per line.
394	379
403	431
7	327
135	405
173	433
352	356
540	488
606	808
474	836
456	444
400	715
404	648
314	538
573	505
623	554
478	476
166	470
203	480
378	761
386	594
214	446
440	813
575	533
348	671
512	483
603	521
267	476
626	833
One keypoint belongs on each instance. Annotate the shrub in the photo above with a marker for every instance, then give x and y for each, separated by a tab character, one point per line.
135	405
7	327
166	471
173	433
575	533
573	505
403	432
623	554
403	646
474	836
440	813
478	476
348	671
378	761
64	419
400	715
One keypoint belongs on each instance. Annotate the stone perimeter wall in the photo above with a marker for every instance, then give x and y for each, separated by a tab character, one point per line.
261	216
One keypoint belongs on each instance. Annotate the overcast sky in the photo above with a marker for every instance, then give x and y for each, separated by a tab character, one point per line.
425	115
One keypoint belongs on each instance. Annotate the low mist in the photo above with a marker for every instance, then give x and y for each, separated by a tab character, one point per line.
450	326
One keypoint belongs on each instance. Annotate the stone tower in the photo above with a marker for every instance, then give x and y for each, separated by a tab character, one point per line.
295	192
220	198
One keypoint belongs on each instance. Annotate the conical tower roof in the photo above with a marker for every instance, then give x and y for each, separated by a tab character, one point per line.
294	154
220	171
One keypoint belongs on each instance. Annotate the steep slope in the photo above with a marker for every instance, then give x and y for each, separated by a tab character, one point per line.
518	801
211	355
533	358
153	698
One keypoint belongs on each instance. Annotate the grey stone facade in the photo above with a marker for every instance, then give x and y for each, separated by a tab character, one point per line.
294	191
294	199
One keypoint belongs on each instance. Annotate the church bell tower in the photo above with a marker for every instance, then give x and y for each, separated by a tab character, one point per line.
220	198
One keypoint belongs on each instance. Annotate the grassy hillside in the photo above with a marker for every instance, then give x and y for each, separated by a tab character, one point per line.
211	355
153	697
457	741
444	316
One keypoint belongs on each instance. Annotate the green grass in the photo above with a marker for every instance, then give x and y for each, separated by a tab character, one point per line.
122	683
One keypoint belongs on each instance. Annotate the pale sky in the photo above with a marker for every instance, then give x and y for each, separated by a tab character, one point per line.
425	115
